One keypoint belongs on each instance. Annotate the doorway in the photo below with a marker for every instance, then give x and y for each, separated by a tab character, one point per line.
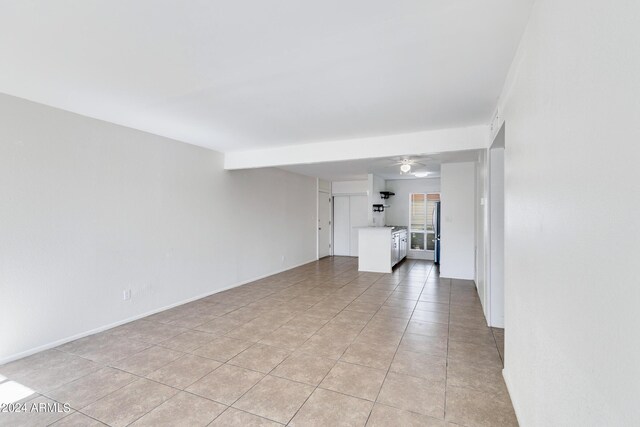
324	224
349	214
496	231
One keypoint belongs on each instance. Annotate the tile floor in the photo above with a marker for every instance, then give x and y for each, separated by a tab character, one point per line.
320	345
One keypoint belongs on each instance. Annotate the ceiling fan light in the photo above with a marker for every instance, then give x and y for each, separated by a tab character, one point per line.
405	168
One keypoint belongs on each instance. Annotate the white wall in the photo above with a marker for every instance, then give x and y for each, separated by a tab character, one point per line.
376	185
350	187
90	209
398	212
571	108
457	233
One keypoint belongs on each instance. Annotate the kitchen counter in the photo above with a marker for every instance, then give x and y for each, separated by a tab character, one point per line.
392	228
380	248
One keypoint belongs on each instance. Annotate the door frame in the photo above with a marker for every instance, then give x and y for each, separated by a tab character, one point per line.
324	193
495	280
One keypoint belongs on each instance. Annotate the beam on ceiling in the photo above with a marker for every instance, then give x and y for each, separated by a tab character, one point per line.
406	144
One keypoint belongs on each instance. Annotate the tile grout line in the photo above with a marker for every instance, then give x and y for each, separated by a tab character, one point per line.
184	390
398	346
265	375
77	412
446	372
138	377
325	298
336	362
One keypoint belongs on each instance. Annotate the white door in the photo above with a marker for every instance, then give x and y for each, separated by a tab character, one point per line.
341	228
324	224
349	213
357	218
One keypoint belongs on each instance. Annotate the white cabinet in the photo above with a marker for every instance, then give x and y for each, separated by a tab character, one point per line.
380	248
395	248
398	246
404	245
349	214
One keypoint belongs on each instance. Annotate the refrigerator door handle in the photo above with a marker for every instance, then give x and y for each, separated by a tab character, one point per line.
433	220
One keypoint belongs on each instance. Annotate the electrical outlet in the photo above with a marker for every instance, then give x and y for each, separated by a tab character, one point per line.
283	258
126	295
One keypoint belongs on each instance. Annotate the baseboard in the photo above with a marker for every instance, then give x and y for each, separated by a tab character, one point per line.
413	254
446	275
56	343
509	388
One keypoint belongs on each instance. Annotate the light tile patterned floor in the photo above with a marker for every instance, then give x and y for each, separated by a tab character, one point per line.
319	345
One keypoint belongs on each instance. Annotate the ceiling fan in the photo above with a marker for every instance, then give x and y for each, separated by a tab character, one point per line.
408	165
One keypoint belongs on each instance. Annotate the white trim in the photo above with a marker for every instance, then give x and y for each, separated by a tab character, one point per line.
363	193
328	193
331	237
422	142
487	254
53	344
488	283
317	218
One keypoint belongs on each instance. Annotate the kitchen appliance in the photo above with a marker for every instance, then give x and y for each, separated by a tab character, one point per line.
436	229
398	245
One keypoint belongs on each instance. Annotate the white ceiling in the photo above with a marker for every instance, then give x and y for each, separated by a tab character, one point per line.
243	74
387	168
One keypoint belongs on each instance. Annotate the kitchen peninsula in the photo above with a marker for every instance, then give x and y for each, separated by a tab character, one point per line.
381	248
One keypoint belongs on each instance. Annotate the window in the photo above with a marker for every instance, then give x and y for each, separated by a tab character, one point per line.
422	207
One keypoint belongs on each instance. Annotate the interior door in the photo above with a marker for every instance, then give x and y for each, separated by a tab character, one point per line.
358	217
324	224
341	228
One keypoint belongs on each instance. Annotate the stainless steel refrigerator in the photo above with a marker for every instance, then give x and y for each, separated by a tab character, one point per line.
436	228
